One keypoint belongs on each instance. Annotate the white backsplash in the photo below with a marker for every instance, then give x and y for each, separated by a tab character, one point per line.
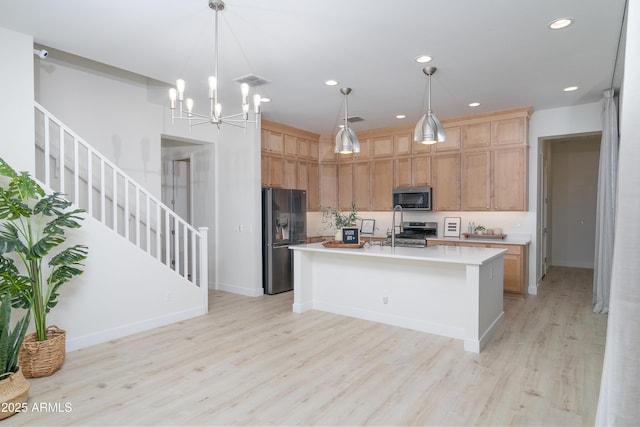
521	223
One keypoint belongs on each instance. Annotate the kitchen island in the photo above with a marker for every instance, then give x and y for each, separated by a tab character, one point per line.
445	290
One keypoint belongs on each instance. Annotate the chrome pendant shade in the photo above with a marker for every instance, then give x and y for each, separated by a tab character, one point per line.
429	130
346	140
184	106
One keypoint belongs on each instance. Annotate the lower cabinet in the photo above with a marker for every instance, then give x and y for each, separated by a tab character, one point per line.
516	271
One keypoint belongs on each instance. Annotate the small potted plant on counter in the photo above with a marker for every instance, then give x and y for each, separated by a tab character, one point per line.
334	219
479	229
32	229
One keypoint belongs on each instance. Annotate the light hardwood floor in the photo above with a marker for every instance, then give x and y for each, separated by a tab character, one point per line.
251	361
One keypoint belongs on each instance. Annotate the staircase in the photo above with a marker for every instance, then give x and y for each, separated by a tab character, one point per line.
67	164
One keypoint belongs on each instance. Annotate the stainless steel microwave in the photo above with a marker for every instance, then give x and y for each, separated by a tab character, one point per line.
413	198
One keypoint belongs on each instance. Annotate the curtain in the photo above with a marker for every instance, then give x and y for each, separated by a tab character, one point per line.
619	400
606	205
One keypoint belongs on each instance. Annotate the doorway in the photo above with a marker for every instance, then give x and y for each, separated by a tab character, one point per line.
567	201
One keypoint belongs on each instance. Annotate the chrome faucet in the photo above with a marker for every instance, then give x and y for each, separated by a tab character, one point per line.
393	224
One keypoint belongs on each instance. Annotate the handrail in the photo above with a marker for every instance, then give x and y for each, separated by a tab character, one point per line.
65	163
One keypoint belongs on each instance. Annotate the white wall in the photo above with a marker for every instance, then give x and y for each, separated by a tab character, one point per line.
545	124
113	110
574	189
16	109
122	291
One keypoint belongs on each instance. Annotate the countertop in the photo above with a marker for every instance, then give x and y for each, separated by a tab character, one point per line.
511	239
447	254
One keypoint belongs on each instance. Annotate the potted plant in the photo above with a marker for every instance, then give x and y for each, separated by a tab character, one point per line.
480	229
32	227
14	388
334	219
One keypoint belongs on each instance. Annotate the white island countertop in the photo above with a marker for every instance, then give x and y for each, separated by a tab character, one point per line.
510	239
447	254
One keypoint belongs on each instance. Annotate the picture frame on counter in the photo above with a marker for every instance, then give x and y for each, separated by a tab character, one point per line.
351	236
367	226
452	226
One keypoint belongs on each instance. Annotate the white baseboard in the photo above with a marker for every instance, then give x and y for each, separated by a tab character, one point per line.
256	292
134	328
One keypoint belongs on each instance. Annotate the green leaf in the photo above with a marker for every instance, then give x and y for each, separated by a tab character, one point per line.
10	239
6	170
12	208
44	245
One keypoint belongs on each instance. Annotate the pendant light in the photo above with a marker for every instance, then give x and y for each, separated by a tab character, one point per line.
429	130
346	140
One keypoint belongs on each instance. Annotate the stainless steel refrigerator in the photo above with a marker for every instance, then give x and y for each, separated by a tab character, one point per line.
284	223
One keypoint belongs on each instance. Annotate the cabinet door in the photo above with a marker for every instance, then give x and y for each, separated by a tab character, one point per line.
402	144
290	146
477	135
510	179
452	142
364	150
361	186
328	188
446	182
509	131
276	172
421	171
276	142
313	150
326	146
382	146
313	188
345	186
514	272
303	148
403	172
381	184
476	174
303	176
290	173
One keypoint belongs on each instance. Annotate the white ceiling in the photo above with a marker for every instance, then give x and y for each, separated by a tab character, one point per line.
496	52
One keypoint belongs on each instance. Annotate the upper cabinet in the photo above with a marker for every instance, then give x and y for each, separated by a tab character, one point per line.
482	165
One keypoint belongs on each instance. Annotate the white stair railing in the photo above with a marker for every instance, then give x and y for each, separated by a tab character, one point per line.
69	165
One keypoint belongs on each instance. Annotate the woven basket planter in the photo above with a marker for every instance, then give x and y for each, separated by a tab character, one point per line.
43	358
14	392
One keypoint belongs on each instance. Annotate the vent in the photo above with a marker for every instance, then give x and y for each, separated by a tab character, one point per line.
354	119
252	80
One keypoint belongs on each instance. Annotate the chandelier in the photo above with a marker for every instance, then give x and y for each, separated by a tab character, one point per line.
184	106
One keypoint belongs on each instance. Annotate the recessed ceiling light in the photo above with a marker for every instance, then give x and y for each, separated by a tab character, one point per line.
265	99
331	82
560	23
474	104
401	116
570	88
423	59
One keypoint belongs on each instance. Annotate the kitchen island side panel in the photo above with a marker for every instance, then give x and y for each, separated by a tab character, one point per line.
434	297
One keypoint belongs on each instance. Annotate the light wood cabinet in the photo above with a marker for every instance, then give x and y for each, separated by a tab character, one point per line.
510	179
290	146
328	189
509	131
476	135
446	182
452	142
362	186
476	180
403	172
313	196
382	146
345	185
381	184
402	144
302	182
290	173
516	271
272	171
421	171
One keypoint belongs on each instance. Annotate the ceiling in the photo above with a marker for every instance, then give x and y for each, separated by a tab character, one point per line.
499	53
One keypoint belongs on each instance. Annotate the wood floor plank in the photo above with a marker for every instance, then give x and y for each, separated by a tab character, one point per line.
251	361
